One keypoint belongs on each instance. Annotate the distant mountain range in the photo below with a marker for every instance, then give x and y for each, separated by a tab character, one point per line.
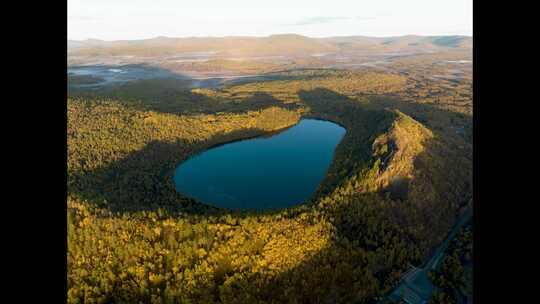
283	44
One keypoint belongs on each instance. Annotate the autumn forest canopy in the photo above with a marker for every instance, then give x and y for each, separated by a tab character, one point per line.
398	180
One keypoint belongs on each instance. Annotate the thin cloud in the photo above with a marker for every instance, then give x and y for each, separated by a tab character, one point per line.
321	20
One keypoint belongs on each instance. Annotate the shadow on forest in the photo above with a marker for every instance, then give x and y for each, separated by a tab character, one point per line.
165	90
143	180
171	94
376	235
282	75
441	168
256	102
454	125
147	95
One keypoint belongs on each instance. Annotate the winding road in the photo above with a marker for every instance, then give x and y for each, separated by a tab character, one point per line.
415	286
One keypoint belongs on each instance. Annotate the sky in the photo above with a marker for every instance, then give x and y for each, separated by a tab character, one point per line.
142	19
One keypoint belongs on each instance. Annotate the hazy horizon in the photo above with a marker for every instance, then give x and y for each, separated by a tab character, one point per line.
138	20
261	36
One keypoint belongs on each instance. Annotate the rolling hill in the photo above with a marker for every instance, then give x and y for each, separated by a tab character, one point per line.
283	44
399	179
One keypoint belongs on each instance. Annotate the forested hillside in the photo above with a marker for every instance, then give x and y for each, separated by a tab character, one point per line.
399	178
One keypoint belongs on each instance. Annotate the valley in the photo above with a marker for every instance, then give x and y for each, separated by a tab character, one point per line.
396	182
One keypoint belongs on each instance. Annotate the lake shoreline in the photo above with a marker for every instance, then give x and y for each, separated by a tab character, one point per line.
296	162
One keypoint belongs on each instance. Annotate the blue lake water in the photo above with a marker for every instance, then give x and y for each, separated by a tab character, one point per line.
262	173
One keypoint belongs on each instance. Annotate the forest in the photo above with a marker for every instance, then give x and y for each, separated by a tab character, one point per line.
399	179
454	278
